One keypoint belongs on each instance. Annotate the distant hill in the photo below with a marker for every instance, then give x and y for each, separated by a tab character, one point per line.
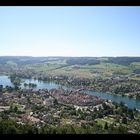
70	60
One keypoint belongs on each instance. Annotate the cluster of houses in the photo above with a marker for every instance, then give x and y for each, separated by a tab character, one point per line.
38	106
75	98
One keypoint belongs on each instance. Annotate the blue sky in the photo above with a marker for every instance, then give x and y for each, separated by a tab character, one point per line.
70	31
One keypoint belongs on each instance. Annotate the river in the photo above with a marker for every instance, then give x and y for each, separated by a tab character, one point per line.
130	102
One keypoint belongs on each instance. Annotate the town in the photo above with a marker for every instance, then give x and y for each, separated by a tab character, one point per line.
65	108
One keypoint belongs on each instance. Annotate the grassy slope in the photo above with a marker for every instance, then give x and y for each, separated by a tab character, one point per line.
104	70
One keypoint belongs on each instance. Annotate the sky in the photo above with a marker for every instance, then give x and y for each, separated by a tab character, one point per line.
70	31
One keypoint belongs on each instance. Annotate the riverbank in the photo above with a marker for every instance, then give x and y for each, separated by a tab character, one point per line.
94	90
131	102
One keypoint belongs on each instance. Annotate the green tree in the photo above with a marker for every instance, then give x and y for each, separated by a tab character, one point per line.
15	109
124	120
25	85
106	126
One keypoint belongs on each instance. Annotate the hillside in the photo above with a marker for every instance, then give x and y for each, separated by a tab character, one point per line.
86	67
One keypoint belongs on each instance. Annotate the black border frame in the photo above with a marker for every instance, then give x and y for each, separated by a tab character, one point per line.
69	3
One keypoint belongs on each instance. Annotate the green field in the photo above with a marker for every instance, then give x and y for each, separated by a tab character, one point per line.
59	67
102	121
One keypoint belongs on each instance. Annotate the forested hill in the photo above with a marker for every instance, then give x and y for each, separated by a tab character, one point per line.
70	60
